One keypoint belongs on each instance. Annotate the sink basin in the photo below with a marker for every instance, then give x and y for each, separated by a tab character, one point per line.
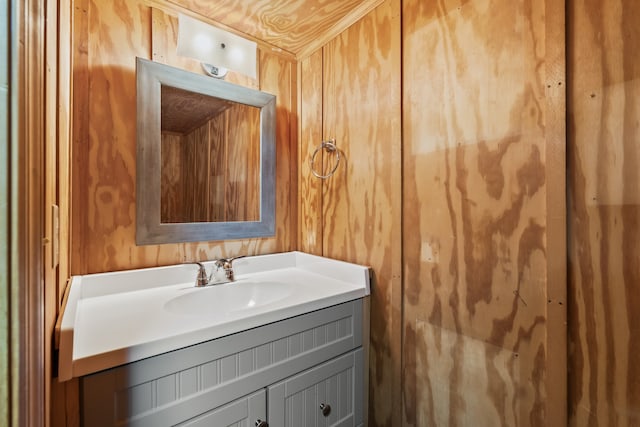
229	297
111	319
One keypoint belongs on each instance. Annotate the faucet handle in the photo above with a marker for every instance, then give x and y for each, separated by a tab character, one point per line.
201	278
230	260
227	265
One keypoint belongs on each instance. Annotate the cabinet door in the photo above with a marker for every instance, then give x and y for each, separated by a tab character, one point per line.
244	412
335	386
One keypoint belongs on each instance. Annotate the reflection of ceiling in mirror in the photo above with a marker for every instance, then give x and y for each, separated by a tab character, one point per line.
183	111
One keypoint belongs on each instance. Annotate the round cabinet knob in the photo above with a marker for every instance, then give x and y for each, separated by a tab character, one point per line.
260	423
325	408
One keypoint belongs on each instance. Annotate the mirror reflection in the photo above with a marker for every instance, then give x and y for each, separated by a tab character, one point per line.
210	158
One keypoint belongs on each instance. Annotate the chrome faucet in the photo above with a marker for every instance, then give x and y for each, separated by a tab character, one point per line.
223	264
226	265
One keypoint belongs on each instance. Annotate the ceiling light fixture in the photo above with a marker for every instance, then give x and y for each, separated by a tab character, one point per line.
217	49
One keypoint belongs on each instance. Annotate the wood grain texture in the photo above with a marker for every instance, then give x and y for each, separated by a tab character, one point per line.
604	212
65	403
310	196
217	168
278	76
64	125
361	203
195	174
555	64
474	213
213	172
50	214
164	36
183	111
171	199
79	130
296	26
438	349
27	186
243	164
107	40
64	410
5	218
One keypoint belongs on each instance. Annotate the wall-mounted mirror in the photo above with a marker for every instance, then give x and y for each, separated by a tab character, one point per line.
205	158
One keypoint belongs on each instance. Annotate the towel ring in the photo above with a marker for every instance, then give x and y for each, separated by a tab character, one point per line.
330	146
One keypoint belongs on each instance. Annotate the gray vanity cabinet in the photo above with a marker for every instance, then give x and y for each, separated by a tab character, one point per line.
294	364
320	397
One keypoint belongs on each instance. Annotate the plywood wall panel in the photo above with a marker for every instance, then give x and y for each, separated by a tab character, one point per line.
604	212
278	76
447	402
106	192
79	132
217	168
556	226
474	212
361	202
171	178
107	39
310	197
243	157
194	180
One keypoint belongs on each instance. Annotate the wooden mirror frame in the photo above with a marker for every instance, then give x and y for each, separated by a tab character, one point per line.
150	77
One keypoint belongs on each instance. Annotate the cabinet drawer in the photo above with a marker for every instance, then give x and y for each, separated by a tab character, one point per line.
243	412
335	386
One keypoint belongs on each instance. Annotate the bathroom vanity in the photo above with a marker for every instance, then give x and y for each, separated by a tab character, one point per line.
283	345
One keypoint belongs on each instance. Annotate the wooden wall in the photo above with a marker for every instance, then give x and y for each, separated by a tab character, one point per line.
604	212
241	188
361	203
5	244
474	244
355	214
476	110
24	365
107	38
454	213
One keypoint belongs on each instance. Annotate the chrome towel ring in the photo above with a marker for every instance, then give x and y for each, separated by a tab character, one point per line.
330	146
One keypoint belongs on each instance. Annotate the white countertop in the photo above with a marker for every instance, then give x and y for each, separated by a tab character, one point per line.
115	318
